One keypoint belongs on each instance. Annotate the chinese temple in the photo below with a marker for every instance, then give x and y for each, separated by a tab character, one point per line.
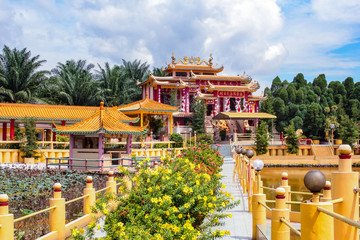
190	79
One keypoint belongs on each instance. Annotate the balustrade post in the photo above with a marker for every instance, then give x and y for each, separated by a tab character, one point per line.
285	185
89	201
278	229
258	213
57	214
344	181
6	219
315	224
111	183
327	192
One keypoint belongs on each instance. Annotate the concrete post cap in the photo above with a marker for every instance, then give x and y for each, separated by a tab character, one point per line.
89	178
280	191
344	149
284	174
4	198
327	184
111	173
57	186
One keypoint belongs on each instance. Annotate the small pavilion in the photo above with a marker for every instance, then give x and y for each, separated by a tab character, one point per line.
146	107
88	136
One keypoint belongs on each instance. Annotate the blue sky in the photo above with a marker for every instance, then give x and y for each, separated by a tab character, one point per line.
264	38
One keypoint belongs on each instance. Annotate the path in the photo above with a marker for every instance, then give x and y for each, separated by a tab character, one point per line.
240	225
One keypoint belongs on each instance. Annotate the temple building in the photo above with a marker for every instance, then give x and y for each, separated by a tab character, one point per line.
188	79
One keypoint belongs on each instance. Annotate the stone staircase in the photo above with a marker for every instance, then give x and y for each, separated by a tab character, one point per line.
322	150
225	151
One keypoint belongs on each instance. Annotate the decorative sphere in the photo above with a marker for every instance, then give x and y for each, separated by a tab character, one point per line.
344	149
238	149
327	184
280	191
243	151
284	175
314	180
89	178
258	165
111	173
249	153
57	186
4	198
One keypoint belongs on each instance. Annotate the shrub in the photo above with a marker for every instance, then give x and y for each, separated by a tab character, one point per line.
291	139
262	139
205	138
160	145
177	138
30	145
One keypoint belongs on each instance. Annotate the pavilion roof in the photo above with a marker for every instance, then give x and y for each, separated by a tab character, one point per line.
249	87
243	115
100	121
147	106
56	112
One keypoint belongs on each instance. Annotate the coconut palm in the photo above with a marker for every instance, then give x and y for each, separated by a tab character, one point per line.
19	78
75	84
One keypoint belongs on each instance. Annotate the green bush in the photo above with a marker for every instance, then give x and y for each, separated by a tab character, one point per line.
160	145
178	139
291	139
205	138
262	139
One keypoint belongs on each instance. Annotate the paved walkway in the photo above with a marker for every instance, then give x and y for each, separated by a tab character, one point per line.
240	225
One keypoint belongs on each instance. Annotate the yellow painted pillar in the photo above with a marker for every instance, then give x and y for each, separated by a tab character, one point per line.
258	213
343	183
111	183
141	124
90	200
279	230
316	225
7	157
327	192
57	215
285	185
6	219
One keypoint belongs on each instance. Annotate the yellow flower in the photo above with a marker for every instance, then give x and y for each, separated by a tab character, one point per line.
230	215
82	231
186	205
149	189
180	215
167	213
210	205
148	180
105	211
75	232
223	186
197	182
216	220
214	199
157	187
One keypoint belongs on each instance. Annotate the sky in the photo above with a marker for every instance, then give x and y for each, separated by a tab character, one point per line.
264	38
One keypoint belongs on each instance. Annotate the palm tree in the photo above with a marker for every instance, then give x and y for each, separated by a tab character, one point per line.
19	79
110	79
75	84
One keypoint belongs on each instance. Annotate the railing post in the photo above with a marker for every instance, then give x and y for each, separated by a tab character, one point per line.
90	200
285	185
6	219
344	181
57	215
278	229
70	164
111	183
327	192
258	213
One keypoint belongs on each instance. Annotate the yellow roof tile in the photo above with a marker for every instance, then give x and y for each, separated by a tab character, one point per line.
55	112
148	106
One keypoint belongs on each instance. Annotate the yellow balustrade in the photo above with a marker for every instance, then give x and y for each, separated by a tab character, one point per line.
285	185
258	212
279	230
6	219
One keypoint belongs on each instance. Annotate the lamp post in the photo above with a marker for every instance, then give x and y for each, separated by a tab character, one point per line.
195	137
258	165
249	154
332	126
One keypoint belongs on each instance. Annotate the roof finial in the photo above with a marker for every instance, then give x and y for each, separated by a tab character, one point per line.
146	95
101	105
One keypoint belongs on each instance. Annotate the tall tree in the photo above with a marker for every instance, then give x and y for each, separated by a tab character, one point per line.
198	118
110	80
75	84
19	75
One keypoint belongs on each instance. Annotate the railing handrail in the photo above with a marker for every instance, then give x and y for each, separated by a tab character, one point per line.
76	199
265	206
287	223
103	189
34	214
339	217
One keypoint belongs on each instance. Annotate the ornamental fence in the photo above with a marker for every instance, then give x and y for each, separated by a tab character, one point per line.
332	214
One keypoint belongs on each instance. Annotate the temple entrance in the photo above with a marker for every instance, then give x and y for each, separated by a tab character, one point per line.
209	109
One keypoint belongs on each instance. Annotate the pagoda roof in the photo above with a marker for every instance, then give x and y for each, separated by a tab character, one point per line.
56	112
256	98
246	79
249	87
201	95
242	115
100	122
147	106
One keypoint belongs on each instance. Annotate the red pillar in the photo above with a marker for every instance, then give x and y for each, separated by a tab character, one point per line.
4	138
12	129
54	134
62	124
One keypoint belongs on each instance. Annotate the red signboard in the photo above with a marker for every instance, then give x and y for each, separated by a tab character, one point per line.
231	94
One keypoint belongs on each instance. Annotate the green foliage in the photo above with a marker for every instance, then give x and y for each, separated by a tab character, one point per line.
205	138
348	130
175	201
30	190
30	145
222	134
160	145
262	139
19	75
291	139
178	139
155	124
198	119
18	136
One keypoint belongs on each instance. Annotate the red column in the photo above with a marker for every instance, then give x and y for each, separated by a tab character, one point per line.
62	124
4	138
12	129
54	134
